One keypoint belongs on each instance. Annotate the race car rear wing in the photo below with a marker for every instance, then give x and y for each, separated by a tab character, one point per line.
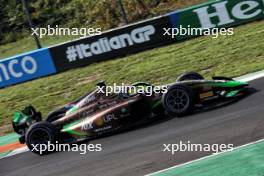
22	120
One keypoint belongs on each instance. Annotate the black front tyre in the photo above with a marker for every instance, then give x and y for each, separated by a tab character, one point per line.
189	76
39	135
178	101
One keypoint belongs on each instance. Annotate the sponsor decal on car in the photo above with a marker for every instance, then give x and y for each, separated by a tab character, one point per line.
86	101
103	129
206	94
84	114
109	117
87	126
99	122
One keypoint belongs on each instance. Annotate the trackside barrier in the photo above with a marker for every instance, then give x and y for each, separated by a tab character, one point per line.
216	14
127	40
25	67
112	44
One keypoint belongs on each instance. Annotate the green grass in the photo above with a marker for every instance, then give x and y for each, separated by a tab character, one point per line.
226	56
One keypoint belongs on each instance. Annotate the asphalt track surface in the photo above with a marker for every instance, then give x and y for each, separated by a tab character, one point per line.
140	151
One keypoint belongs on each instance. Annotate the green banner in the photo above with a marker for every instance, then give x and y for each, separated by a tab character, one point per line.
217	14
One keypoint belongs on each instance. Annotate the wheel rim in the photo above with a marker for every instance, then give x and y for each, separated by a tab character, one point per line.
39	136
178	100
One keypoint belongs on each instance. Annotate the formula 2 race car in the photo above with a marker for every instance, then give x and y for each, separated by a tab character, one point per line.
96	114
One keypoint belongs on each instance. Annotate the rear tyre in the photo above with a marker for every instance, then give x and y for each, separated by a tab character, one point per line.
178	101
189	76
39	136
